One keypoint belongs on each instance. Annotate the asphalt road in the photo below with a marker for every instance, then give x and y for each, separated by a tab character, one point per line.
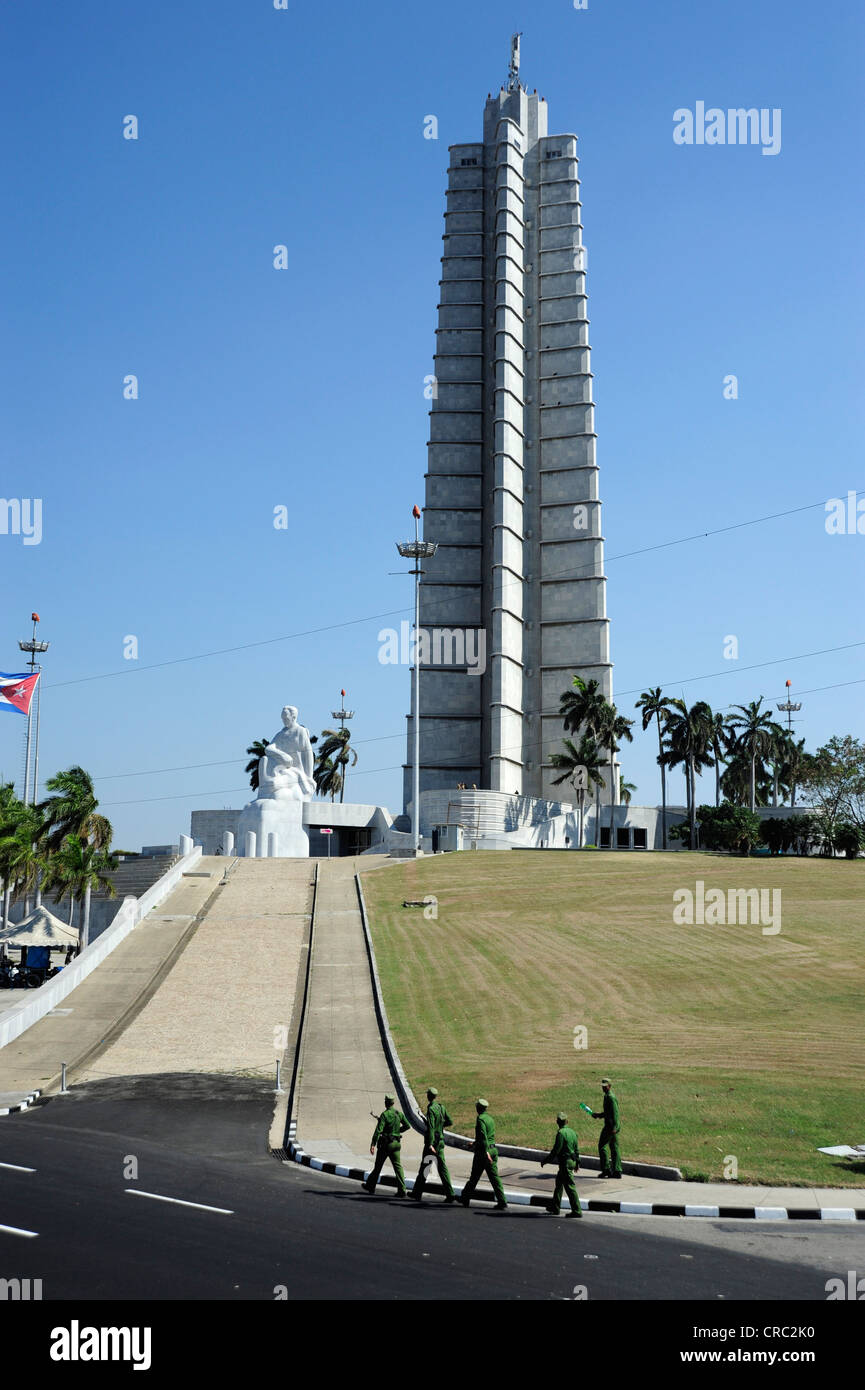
104	1234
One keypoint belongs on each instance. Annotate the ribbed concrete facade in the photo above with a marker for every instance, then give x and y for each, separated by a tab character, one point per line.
512	483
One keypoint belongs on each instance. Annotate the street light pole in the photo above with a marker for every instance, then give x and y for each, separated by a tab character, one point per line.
416	550
789	705
342	715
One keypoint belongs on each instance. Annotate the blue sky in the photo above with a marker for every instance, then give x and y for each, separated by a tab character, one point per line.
304	387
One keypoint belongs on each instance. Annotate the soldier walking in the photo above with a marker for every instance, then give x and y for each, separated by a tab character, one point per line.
386	1143
609	1135
485	1158
565	1153
437	1121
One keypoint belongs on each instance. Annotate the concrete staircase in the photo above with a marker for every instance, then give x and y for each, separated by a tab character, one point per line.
133	877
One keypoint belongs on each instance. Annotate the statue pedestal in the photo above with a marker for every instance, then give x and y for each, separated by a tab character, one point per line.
273	817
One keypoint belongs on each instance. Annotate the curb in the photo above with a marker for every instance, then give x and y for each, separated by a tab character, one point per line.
293	1152
284	1122
296	1154
20	1105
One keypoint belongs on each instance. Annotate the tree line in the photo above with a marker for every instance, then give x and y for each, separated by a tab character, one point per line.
60	846
757	762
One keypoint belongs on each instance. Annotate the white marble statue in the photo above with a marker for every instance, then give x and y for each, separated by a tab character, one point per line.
285	782
285	768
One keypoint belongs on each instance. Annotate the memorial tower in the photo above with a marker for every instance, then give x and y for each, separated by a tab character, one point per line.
512	483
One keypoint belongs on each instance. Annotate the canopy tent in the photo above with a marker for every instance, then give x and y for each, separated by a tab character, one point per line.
40	928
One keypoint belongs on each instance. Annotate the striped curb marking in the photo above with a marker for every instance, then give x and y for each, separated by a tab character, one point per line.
22	1105
296	1154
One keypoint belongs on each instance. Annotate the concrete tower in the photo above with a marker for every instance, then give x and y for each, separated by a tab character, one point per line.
512	482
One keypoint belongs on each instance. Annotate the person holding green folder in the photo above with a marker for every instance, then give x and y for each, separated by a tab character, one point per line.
609	1136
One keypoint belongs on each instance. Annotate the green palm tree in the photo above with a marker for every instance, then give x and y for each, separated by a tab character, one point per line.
613	727
626	792
23	857
736	781
587	756
77	868
257	749
655	705
720	740
689	742
754	739
796	764
333	759
582	707
9	807
328	778
778	752
71	810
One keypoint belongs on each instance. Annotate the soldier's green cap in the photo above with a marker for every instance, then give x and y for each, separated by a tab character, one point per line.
563	1119
389	1100
432	1091
481	1101
605	1081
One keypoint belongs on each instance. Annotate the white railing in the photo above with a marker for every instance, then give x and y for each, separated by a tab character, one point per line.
39	1002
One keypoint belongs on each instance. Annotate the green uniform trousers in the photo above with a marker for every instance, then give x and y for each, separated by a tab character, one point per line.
480	1165
565	1183
609	1137
444	1176
391	1150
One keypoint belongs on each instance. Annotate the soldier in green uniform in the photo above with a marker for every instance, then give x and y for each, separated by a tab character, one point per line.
609	1133
566	1154
386	1144
485	1158
437	1120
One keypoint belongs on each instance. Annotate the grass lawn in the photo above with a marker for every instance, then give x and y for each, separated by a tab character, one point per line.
719	1040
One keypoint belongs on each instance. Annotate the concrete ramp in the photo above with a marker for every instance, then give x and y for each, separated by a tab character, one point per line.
223	1004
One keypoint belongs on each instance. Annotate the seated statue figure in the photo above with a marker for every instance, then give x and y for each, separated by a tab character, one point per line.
285	768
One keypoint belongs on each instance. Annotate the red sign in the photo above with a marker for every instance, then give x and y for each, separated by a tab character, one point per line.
327	832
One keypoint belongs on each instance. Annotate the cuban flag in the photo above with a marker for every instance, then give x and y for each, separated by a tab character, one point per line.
16	691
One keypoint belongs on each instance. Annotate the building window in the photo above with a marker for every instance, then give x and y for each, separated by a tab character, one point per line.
553	154
640	841
463	162
605	837
623	837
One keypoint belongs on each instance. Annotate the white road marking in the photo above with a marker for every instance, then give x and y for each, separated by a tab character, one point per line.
137	1192
16	1231
15	1168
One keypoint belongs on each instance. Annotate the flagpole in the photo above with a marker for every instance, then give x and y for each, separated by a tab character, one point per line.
26	797
32	647
36	746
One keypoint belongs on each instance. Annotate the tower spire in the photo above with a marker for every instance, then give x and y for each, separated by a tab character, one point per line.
514	67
